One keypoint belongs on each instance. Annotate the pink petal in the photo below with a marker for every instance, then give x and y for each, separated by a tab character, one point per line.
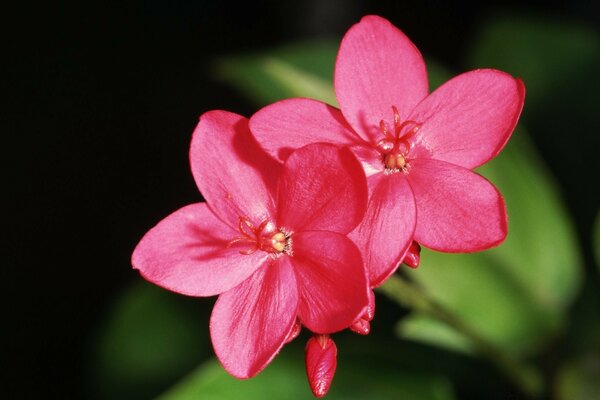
251	322
387	229
321	363
458	210
187	252
377	67
231	171
321	187
331	280
290	124
468	120
370	159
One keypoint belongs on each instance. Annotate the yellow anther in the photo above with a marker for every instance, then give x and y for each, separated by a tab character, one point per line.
400	161
278	241
390	161
394	161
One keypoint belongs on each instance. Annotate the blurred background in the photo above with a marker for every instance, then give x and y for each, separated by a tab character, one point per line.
101	100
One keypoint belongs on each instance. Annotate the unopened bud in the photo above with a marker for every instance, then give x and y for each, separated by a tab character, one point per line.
370	312
361	326
413	255
294	332
321	362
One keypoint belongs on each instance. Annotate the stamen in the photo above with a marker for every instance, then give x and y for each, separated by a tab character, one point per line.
396	119
258	239
246	228
383	127
395	148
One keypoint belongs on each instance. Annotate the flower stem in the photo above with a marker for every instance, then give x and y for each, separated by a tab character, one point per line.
409	295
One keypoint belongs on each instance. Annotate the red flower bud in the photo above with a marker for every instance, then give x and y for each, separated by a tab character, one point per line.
294	332
321	362
413	255
361	326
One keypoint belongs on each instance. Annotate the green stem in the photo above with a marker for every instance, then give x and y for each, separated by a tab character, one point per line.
408	295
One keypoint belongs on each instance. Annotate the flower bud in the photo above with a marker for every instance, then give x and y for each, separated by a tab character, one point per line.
321	362
413	255
294	332
361	326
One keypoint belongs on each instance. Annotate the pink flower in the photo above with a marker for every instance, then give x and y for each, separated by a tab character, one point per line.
417	149
271	240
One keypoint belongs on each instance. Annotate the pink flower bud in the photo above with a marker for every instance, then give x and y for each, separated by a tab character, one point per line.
321	362
294	332
361	326
413	255
370	312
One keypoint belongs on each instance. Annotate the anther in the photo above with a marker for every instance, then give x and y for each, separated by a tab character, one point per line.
278	241
394	161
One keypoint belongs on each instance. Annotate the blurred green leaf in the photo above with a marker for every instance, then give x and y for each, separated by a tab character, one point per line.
580	379
150	338
300	70
285	378
423	329
541	252
549	54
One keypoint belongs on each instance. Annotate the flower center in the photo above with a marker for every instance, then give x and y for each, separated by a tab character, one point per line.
395	146
263	237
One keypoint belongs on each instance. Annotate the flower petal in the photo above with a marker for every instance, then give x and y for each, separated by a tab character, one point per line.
331	280
251	322
469	119
187	252
233	174
321	187
377	67
290	124
387	229
458	210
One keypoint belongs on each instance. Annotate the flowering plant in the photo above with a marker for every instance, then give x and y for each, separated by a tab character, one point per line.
300	238
417	149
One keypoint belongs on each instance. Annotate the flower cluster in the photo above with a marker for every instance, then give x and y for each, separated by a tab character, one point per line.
309	207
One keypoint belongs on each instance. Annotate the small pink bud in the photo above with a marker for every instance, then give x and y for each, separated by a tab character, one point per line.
413	255
370	312
361	326
294	332
321	362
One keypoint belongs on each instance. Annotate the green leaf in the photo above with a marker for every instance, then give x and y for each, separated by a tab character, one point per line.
150	338
423	329
285	378
300	70
556	59
580	379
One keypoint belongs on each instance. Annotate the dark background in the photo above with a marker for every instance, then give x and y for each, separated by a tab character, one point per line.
101	100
